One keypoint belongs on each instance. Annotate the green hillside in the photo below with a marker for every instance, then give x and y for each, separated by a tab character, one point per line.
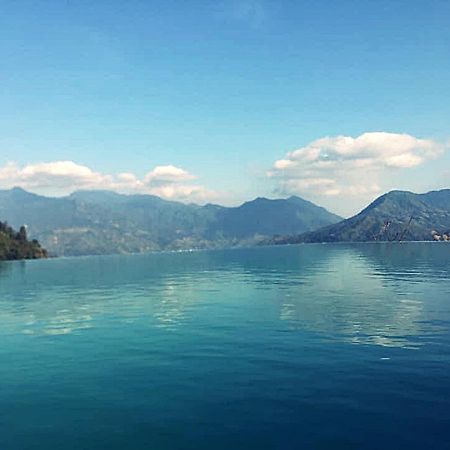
15	245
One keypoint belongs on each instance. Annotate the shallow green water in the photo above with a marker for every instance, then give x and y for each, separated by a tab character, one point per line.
313	346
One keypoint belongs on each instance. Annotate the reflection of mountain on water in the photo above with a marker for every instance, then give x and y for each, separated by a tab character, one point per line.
415	261
390	295
374	294
68	295
56	313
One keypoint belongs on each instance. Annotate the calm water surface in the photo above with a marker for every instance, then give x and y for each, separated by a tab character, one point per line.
313	346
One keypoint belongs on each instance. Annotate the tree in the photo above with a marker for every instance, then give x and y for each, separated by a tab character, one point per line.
15	245
22	234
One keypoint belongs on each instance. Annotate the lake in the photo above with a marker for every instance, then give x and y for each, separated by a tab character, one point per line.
310	346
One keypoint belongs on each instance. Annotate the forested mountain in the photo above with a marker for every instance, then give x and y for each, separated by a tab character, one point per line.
15	244
103	222
395	216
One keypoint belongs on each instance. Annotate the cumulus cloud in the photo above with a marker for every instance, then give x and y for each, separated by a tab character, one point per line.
168	174
62	177
173	182
58	175
347	166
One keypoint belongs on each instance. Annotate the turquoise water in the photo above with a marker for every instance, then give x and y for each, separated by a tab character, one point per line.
313	346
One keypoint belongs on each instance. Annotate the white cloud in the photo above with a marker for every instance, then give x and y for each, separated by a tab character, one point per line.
168	174
184	192
350	167
175	183
58	175
63	177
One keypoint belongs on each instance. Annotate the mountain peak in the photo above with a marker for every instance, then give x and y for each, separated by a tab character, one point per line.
394	216
19	192
100	222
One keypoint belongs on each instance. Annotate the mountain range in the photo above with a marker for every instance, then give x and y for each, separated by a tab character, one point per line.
104	222
395	216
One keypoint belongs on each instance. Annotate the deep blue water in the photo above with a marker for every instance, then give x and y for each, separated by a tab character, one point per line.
312	347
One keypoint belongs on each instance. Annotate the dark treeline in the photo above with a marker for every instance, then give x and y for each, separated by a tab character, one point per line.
15	244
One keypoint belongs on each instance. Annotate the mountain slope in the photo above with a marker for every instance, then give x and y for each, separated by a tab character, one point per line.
397	215
102	222
268	217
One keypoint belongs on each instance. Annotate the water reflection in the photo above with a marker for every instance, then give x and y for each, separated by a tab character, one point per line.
343	299
387	295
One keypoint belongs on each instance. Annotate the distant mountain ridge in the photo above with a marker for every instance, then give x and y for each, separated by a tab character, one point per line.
395	216
104	222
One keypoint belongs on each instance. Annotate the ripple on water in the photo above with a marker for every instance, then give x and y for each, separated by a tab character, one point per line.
344	346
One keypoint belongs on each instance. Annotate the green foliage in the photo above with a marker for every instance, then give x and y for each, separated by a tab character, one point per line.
14	245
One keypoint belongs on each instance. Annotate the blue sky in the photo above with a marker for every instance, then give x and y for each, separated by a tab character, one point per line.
198	100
